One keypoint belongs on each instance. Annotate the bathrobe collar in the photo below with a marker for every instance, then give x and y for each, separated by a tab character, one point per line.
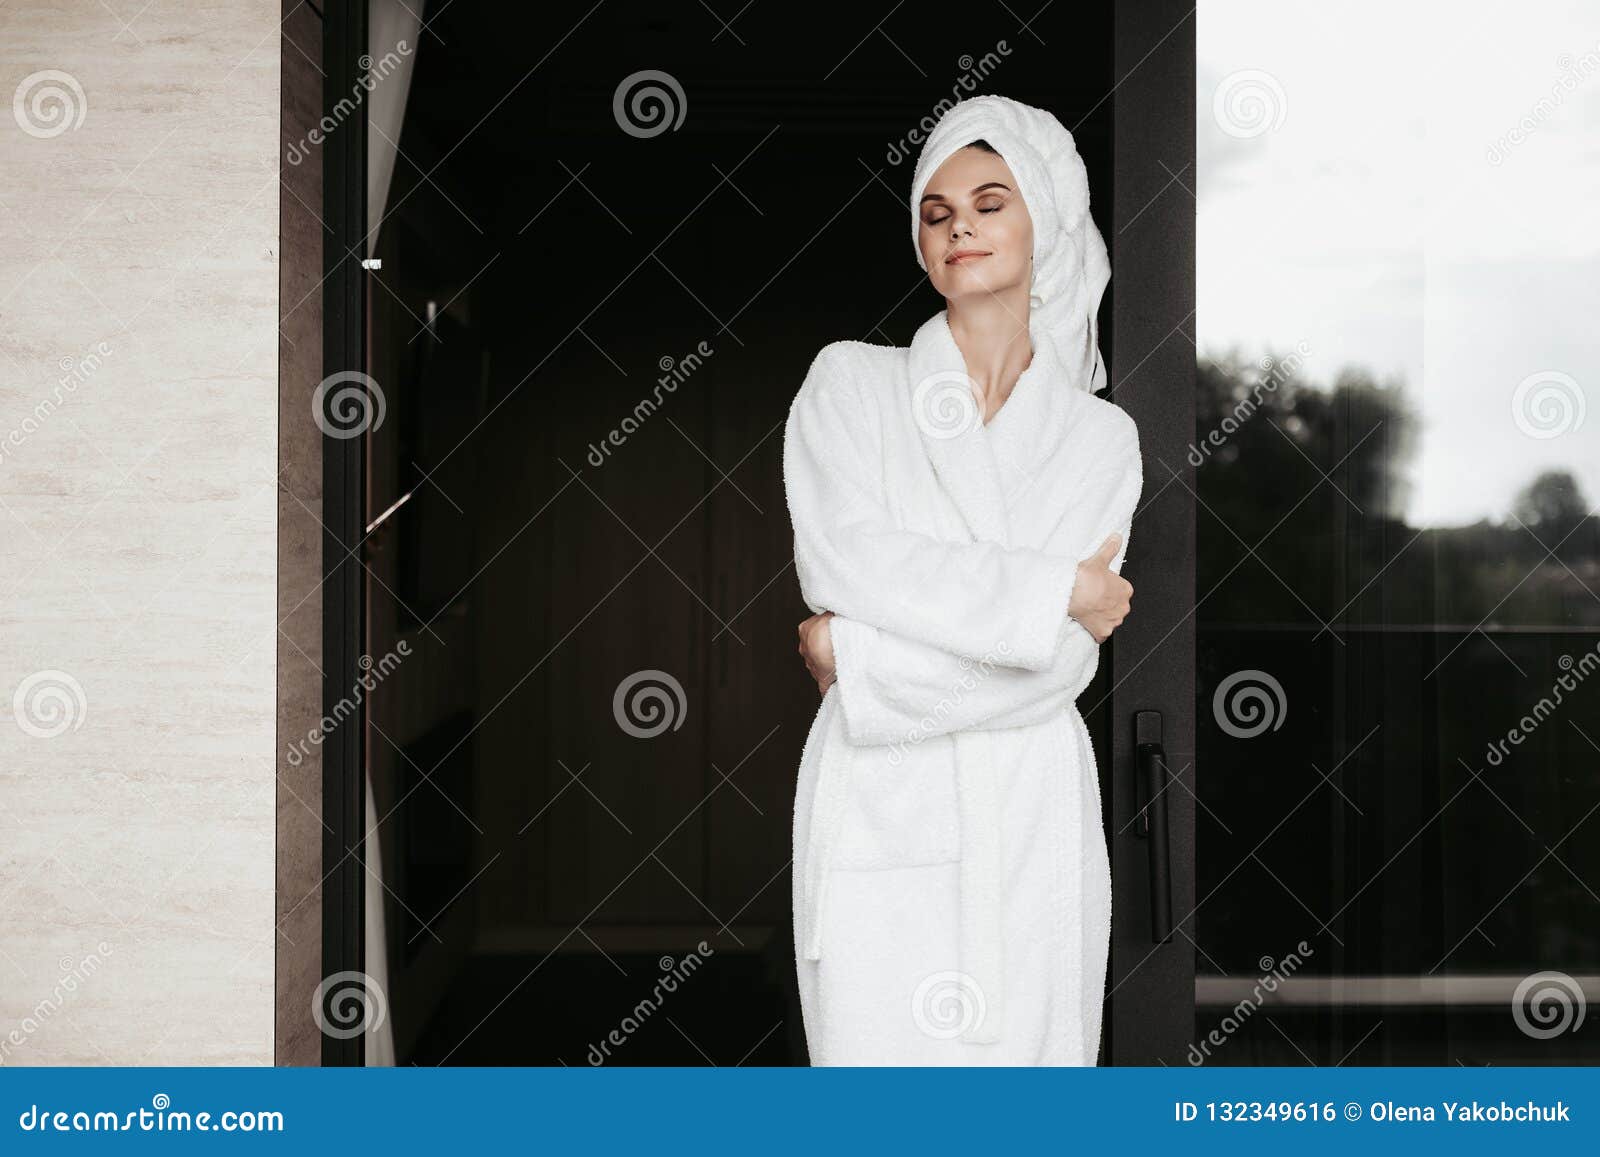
980	466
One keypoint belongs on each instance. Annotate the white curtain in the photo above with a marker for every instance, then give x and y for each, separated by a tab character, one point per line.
391	23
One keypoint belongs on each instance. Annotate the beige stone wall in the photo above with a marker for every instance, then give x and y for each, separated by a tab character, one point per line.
139	348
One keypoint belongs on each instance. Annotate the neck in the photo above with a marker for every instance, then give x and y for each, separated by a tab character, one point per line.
991	331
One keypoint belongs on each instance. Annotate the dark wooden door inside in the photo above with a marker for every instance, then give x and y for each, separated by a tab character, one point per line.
590	327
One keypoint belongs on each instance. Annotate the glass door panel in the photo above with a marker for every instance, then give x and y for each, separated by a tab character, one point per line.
1398	624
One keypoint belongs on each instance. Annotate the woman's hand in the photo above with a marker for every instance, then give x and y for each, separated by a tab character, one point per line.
816	648
1101	597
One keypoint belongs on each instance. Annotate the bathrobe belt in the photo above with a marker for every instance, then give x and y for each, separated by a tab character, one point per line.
980	940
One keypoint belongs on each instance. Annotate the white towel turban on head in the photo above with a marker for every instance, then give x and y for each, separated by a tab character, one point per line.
1070	263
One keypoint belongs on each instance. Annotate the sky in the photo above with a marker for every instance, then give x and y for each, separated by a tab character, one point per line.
1380	181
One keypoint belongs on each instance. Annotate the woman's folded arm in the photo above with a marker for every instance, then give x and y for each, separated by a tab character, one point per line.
974	599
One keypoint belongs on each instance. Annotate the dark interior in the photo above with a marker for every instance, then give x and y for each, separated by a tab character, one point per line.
544	271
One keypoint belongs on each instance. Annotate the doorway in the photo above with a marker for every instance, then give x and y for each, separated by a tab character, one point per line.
604	259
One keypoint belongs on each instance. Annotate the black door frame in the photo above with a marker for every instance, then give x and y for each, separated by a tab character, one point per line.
344	211
1150	990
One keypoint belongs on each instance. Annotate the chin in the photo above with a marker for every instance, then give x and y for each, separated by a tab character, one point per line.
967	283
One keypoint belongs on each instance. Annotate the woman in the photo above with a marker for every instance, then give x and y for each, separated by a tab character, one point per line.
961	509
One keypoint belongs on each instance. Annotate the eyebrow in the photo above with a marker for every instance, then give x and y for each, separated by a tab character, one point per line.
979	189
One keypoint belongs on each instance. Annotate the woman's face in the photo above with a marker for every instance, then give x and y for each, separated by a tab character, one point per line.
976	235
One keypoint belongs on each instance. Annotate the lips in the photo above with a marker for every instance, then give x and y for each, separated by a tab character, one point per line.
962	256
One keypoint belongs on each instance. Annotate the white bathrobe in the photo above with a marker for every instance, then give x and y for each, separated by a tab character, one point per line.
951	883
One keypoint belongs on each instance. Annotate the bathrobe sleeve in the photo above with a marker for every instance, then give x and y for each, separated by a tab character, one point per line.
977	599
897	690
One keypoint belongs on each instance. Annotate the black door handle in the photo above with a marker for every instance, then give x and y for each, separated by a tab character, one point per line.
1150	793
